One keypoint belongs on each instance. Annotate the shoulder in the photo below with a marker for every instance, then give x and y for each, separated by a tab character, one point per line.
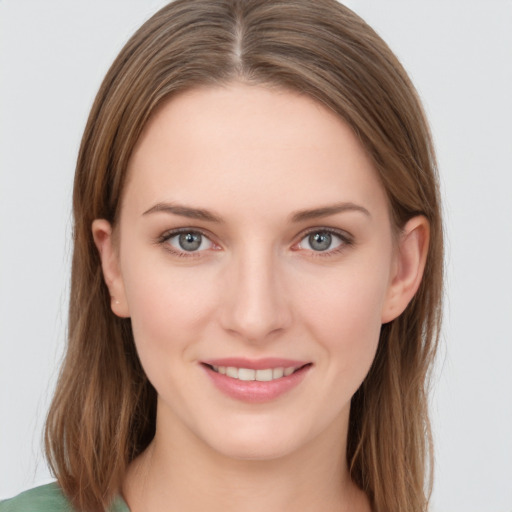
50	498
46	498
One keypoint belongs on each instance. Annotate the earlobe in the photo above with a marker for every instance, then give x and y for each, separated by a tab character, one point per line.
408	271
103	239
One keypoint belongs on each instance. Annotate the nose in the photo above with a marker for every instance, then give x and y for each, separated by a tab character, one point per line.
255	306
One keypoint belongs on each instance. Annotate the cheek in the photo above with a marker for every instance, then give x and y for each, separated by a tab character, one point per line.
344	316
168	307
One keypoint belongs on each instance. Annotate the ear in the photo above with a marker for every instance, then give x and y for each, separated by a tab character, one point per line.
103	239
410	259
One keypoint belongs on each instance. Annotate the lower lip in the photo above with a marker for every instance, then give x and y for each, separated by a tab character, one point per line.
254	391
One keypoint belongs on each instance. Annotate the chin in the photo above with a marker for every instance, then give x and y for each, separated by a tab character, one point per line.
245	450
255	441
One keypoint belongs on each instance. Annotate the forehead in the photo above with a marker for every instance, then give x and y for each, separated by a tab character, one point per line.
249	145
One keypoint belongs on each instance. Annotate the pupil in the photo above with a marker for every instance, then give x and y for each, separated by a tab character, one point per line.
320	241
190	241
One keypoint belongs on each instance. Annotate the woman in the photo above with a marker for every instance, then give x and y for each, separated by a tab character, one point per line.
257	272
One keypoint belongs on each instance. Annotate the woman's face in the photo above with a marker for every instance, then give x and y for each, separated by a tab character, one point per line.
255	234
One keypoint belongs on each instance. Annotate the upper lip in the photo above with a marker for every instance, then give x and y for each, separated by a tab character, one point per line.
256	364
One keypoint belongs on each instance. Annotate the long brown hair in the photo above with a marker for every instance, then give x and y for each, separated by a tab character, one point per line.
103	412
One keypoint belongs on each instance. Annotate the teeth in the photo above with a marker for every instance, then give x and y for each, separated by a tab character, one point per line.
248	374
231	371
277	373
264	375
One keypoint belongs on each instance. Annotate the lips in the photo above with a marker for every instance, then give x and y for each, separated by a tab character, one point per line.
255	364
255	380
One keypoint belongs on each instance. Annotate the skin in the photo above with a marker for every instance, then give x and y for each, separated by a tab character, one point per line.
254	156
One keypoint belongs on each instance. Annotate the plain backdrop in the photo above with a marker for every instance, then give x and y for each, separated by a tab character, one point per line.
53	55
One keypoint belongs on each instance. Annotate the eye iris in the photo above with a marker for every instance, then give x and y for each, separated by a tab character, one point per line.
190	241
320	241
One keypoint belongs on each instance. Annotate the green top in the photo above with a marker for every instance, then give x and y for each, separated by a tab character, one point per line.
49	498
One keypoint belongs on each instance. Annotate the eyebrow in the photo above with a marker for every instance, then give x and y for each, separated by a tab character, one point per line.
299	216
326	211
185	211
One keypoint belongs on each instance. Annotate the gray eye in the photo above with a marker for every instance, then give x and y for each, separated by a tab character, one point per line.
190	241
320	241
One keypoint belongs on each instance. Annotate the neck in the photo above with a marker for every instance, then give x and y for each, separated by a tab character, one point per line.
178	470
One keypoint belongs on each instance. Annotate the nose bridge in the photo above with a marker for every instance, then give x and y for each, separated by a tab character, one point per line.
256	305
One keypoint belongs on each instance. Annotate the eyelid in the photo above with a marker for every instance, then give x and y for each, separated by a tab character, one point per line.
171	233
346	239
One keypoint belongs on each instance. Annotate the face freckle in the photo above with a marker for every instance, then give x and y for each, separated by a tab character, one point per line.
253	226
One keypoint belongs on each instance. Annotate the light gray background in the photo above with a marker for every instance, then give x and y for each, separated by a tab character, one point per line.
53	55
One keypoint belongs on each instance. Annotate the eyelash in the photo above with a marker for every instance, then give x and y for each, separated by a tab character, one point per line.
165	237
346	241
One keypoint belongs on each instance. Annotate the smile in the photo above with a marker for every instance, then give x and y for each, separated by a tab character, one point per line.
248	374
256	381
